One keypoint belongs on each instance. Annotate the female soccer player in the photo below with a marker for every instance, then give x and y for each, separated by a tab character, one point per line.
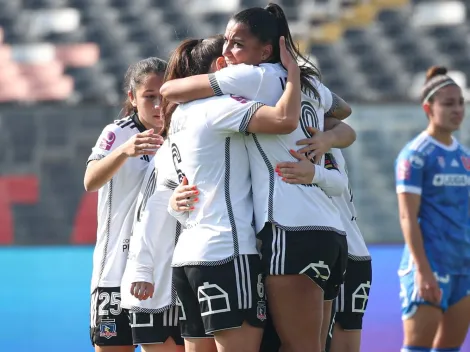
147	285
317	241
351	303
217	269
116	168
432	183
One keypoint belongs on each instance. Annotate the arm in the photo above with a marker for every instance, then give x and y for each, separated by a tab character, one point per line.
241	80
409	182
339	108
340	134
408	205
111	152
328	178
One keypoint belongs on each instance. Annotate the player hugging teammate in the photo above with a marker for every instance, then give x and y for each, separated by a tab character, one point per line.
235	110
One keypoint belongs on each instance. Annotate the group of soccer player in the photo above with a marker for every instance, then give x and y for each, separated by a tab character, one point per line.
215	231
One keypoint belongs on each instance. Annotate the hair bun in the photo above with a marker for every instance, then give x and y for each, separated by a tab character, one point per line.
434	71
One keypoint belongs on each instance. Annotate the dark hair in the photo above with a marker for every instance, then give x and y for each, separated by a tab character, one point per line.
436	78
268	25
191	57
135	75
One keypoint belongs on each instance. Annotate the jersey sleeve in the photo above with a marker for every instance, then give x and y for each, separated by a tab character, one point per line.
329	178
235	114
110	138
409	172
325	95
242	80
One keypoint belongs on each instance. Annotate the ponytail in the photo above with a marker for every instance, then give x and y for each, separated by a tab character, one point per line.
191	57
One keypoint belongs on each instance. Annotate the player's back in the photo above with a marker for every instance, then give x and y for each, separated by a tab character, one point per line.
208	149
441	175
265	151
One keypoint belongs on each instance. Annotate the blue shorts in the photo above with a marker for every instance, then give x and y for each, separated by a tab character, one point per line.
453	287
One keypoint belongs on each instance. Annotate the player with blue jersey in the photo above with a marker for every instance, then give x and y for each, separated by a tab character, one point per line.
433	185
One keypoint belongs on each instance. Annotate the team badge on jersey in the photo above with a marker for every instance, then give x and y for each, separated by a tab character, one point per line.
465	162
108	328
261	310
107	141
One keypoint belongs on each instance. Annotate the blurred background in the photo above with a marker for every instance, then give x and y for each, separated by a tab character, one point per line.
62	64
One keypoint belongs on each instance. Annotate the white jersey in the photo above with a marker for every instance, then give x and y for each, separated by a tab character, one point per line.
208	149
116	204
153	238
357	248
291	207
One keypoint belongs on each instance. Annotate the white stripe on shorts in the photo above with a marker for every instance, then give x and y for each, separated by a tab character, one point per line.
170	316
243	281
278	248
94	298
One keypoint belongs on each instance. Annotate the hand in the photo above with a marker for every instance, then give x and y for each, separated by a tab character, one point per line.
184	197
301	172
287	60
317	145
145	143
142	290
428	288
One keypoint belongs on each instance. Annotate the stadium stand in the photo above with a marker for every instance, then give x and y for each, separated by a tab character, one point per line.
78	50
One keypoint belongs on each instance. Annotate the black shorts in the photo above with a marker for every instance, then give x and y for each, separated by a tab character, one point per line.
321	255
350	305
153	328
109	324
221	297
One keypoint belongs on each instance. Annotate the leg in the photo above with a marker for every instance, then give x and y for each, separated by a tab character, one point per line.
454	325
296	305
114	348
419	329
168	346
247	338
345	341
270	341
325	327
200	345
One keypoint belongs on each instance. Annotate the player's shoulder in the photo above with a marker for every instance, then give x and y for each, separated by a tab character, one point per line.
422	145
464	149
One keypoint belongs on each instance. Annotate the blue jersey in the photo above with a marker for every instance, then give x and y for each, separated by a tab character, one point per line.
441	175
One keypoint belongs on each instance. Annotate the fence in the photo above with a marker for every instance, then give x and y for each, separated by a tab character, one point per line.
43	150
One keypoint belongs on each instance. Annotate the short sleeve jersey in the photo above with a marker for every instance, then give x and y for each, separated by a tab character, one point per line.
207	145
357	248
288	206
440	174
116	203
153	238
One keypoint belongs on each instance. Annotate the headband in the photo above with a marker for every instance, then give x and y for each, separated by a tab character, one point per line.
435	84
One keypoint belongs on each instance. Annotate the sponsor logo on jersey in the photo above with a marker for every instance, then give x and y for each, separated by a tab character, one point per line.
454	163
403	170
125	245
465	162
108	329
416	161
330	162
238	98
107	141
456	180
